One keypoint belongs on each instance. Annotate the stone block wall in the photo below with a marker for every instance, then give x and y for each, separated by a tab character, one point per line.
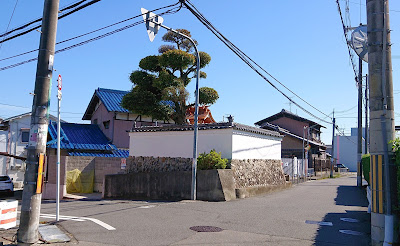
253	172
247	173
137	164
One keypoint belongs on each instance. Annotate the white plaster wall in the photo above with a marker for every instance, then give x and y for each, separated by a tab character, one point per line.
3	144
180	143
346	151
247	145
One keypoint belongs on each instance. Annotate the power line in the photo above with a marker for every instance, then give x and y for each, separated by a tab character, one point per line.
171	11
351	55
15	6
37	20
246	59
91	32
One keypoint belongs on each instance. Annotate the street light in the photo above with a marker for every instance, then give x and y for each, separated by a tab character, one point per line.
153	23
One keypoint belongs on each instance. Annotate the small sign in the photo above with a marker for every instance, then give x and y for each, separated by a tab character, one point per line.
51	62
123	163
59	84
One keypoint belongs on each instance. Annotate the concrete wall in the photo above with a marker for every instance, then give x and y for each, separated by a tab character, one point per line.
247	145
212	185
180	143
249	173
50	184
100	165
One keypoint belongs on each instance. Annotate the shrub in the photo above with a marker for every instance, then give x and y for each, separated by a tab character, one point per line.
365	160
396	149
211	160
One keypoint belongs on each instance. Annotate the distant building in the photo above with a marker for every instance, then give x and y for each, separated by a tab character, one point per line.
346	149
297	130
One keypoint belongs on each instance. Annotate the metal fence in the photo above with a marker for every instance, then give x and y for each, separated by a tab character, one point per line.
298	172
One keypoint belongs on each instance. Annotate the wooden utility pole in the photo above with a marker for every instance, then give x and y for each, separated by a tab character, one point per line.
381	121
31	196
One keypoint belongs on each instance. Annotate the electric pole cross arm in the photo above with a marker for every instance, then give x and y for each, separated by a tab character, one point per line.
153	24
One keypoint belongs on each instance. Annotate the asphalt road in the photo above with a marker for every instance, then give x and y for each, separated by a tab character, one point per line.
289	217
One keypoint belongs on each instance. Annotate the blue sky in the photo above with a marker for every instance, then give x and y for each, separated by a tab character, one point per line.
300	43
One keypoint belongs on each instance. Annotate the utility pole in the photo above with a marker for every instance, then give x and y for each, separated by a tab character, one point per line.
381	122
31	196
359	132
366	116
333	143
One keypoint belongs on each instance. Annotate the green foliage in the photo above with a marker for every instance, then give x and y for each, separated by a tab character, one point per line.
207	96
164	77
396	149
211	160
176	60
365	160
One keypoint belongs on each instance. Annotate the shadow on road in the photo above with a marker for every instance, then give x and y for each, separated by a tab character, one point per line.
350	228
351	196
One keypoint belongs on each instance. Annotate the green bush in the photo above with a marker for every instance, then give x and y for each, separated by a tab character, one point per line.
211	160
365	160
396	149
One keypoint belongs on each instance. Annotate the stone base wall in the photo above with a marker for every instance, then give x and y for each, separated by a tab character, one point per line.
252	172
138	164
247	173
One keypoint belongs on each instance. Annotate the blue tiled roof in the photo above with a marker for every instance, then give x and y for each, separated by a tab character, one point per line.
79	137
115	153
112	99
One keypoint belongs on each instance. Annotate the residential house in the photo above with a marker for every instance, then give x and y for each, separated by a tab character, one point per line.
105	110
298	131
80	145
14	137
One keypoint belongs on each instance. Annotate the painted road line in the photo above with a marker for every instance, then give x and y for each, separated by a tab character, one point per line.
322	223
350	232
81	219
148	206
61	218
351	220
100	223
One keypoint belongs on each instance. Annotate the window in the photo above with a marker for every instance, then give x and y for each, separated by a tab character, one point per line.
106	124
95	121
25	137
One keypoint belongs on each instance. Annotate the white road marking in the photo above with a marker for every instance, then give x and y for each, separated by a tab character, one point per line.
349	220
80	219
148	206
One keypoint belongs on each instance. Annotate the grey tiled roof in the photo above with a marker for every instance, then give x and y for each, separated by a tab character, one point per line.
221	125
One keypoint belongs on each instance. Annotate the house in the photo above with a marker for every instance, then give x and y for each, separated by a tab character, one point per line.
105	110
297	131
80	145
14	137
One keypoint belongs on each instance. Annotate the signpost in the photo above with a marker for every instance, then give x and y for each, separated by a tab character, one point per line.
59	95
153	24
